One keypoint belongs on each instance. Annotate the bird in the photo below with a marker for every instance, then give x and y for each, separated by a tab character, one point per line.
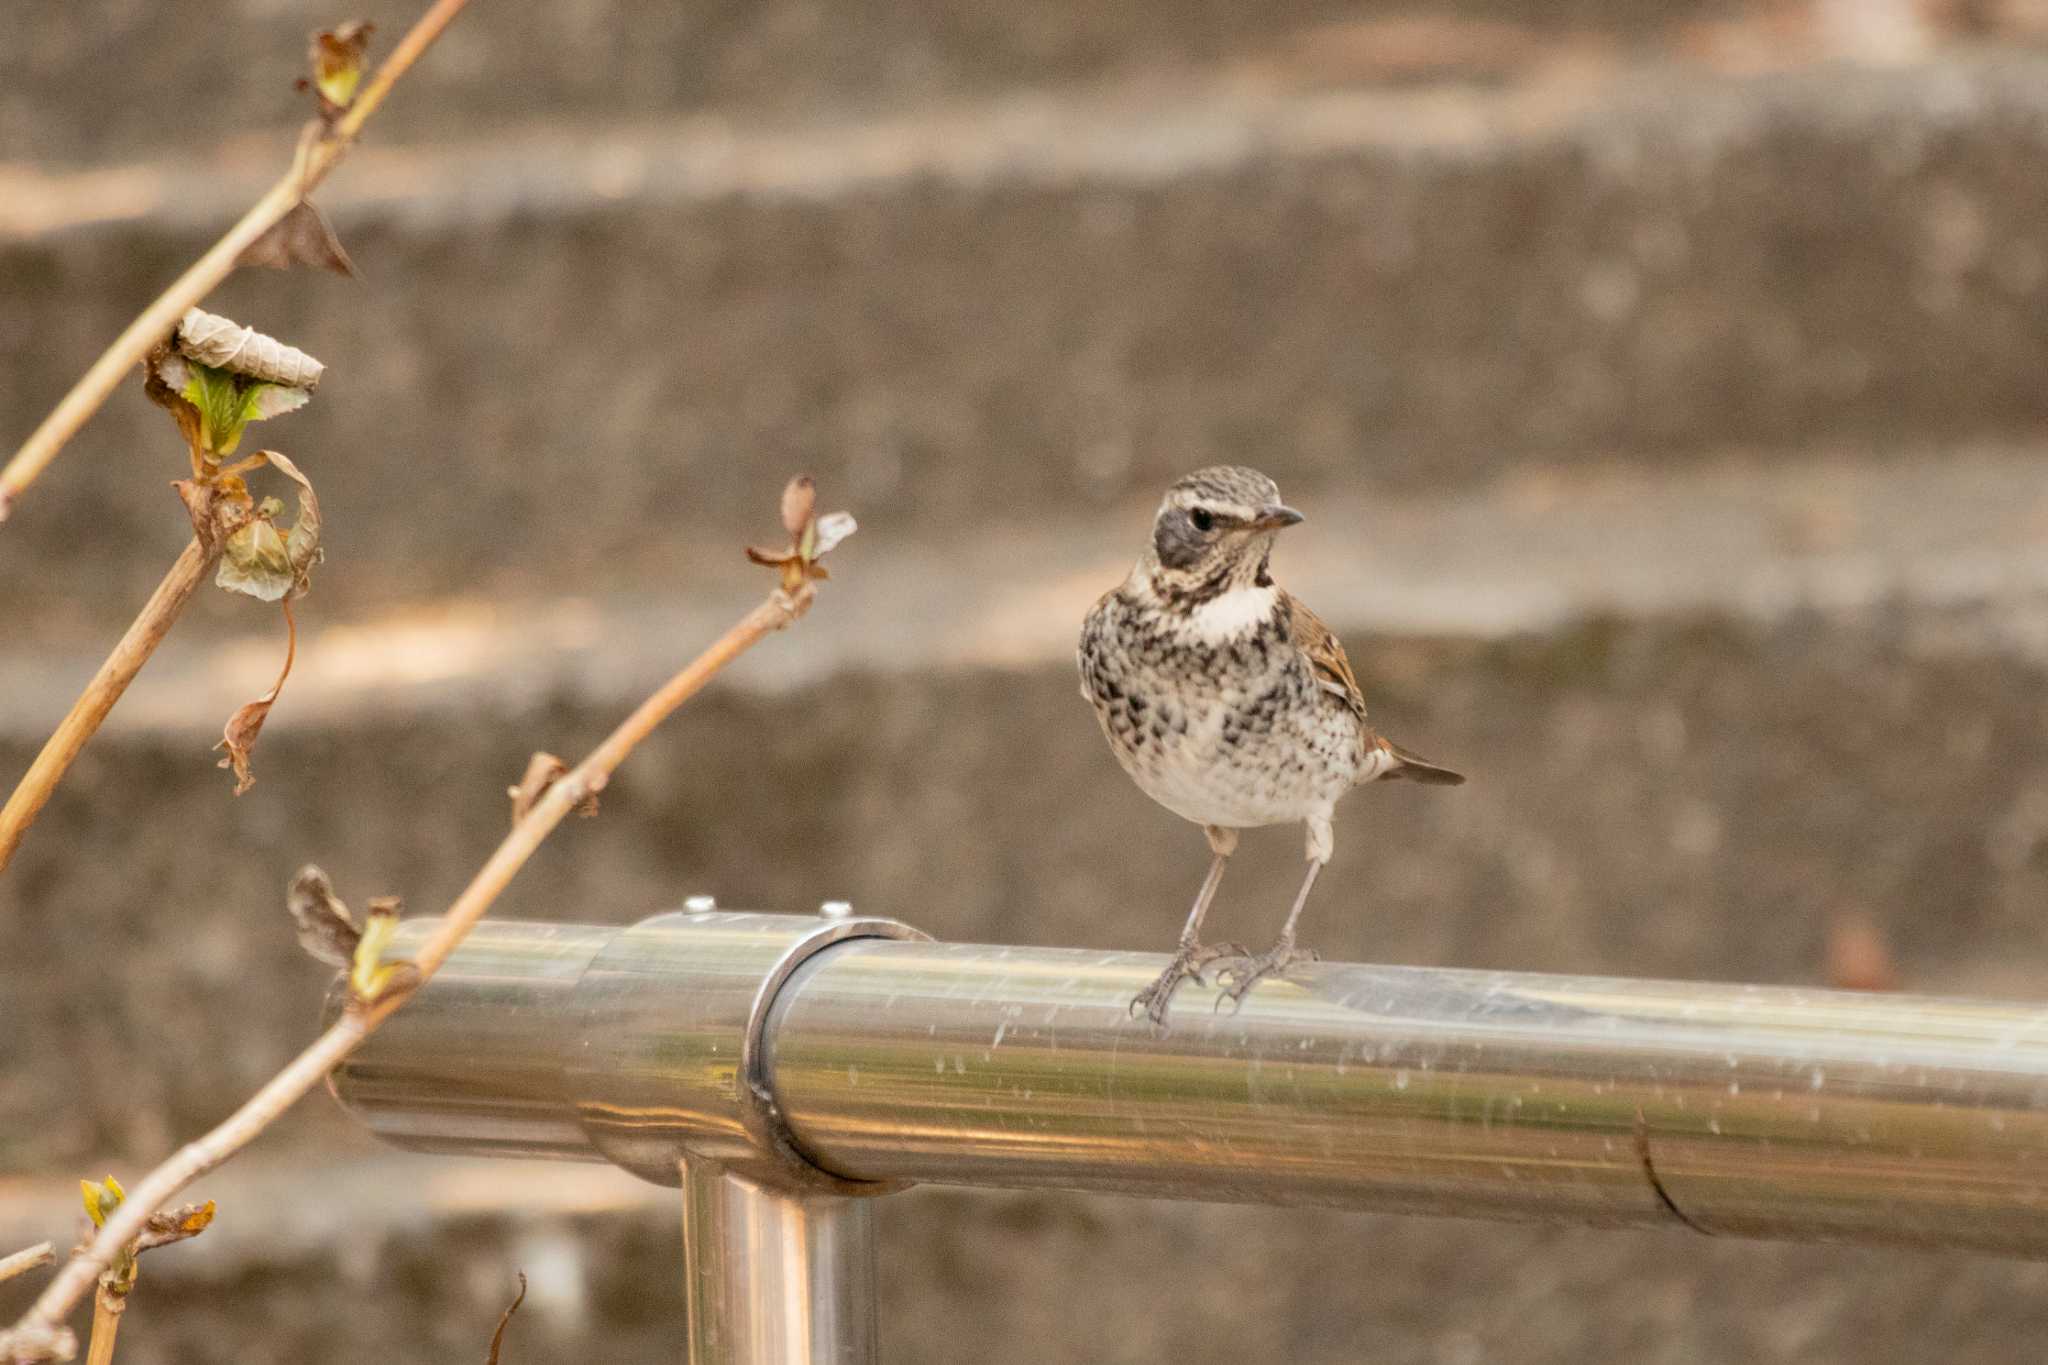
1230	703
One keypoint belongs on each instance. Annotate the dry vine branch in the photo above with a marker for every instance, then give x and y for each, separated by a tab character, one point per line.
107	685
25	1260
39	1334
320	151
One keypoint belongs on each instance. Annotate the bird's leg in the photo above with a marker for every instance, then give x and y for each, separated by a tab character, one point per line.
1192	955
1239	977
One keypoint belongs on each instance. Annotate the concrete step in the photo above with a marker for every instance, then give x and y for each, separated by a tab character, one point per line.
583	59
1862	538
571	344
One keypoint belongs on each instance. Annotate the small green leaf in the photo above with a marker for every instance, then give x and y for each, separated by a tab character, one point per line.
101	1200
369	975
218	396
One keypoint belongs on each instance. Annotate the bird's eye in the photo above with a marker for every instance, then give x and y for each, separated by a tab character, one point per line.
1202	519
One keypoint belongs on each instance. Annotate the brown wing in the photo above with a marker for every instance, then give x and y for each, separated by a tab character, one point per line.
1325	654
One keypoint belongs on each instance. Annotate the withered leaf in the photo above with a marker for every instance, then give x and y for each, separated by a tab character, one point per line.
238	737
326	929
301	237
302	544
164	394
224	344
255	562
259	562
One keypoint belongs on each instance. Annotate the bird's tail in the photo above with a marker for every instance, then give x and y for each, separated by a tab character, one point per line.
1416	768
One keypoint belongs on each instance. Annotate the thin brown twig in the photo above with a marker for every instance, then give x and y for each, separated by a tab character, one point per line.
27	1259
342	1037
315	159
107	1309
504	1320
144	634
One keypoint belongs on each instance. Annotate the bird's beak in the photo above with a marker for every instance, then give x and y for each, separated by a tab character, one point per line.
1275	518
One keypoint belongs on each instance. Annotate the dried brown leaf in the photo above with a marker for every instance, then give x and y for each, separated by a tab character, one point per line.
165	395
224	344
302	543
238	737
254	562
326	929
301	237
498	1337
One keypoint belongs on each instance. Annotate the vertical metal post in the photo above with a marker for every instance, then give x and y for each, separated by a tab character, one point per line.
773	1277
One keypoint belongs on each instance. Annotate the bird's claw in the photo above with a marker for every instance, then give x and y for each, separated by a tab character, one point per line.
1238	977
1187	964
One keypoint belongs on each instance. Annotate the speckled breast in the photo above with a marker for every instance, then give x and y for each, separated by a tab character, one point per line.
1233	733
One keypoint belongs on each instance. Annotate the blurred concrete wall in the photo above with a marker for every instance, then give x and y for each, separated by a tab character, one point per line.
1663	383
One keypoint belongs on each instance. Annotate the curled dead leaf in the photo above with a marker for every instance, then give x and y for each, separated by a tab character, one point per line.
254	562
238	737
224	344
302	543
165	395
260	562
301	237
326	929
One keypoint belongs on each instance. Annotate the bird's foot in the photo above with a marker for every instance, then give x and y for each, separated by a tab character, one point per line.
1238	978
1188	964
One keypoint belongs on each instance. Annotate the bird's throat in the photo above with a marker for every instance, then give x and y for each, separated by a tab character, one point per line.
1233	614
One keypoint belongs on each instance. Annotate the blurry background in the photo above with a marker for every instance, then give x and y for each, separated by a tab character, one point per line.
1664	384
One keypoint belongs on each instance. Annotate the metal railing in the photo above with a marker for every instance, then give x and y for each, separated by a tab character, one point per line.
784	1069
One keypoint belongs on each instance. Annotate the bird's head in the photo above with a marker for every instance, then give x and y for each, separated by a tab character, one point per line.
1214	533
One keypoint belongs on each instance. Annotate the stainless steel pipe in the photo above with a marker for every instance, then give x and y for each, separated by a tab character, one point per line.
773	1277
1730	1109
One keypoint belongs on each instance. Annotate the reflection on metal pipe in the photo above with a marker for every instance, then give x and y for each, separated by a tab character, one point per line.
776	1278
1732	1109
